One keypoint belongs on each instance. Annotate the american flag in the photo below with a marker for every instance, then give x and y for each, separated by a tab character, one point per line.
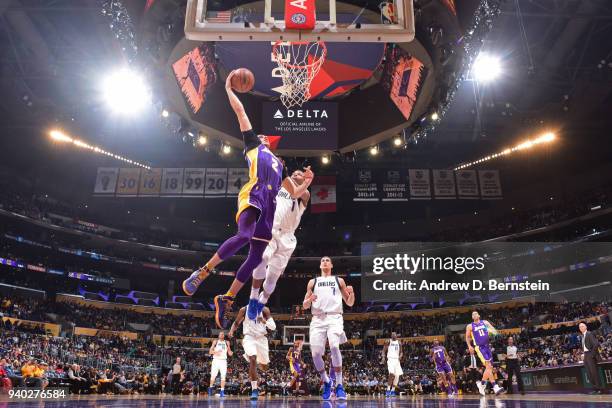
219	16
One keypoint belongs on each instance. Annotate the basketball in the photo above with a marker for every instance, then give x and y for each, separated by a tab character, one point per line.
243	80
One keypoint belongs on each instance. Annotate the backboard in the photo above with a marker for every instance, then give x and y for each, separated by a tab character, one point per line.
335	22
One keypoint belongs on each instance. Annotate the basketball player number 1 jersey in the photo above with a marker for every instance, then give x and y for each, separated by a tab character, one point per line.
288	213
329	297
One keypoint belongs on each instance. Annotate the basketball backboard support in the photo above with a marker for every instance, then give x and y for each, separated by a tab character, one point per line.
264	21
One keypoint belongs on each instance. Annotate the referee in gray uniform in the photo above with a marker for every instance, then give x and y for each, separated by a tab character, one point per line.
513	366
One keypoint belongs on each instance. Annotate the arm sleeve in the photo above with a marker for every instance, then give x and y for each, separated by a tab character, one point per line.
250	139
271	324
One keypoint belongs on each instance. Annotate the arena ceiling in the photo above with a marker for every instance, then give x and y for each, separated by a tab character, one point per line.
557	70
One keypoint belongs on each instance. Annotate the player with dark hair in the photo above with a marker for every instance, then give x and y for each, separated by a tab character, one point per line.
296	365
256	206
393	352
444	371
477	332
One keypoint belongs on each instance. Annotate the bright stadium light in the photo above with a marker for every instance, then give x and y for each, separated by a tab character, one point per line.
435	116
374	150
60	136
486	68
202	140
397	142
165	113
126	92
325	159
227	149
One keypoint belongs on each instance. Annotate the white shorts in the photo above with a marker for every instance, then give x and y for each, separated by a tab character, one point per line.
256	346
394	367
327	328
218	366
277	254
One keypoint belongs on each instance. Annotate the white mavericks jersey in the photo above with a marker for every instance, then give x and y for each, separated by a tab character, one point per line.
220	352
288	212
329	297
393	350
255	329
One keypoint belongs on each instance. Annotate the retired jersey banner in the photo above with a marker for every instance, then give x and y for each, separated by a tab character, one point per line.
323	194
420	186
106	181
490	184
127	184
394	186
193	182
467	184
172	182
236	178
150	183
366	188
444	184
216	183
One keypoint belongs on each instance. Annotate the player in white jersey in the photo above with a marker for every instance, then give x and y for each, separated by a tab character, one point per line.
255	343
393	351
324	295
219	349
287	216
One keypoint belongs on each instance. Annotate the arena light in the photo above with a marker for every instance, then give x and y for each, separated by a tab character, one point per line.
165	113
397	142
325	159
226	149
202	140
486	68
126	92
374	150
61	137
527	144
435	116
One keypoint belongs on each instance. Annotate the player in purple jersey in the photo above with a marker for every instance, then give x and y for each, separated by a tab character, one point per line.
444	370
256	206
294	356
477	333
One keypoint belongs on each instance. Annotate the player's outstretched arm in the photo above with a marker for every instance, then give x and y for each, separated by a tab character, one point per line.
492	329
211	351
310	297
236	324
298	191
288	357
237	106
268	320
348	294
229	349
468	336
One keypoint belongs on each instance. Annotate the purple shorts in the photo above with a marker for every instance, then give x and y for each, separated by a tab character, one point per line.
263	197
484	353
444	368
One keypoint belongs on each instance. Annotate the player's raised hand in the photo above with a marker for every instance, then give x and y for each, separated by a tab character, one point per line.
228	81
308	174
349	290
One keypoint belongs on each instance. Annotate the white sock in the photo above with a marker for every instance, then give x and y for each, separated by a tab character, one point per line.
263	298
254	293
339	378
254	385
324	377
388	388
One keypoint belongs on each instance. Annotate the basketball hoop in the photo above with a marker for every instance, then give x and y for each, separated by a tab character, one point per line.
299	63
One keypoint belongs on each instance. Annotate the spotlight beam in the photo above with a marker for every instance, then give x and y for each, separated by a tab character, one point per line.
61	137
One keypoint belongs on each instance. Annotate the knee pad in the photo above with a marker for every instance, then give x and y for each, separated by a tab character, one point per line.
272	276
336	356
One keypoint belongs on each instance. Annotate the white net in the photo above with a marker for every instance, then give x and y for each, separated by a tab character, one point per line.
299	63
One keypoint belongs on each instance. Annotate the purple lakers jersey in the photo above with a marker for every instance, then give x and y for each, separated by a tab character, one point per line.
439	353
480	334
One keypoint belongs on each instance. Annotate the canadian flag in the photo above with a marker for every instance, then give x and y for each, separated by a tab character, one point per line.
323	194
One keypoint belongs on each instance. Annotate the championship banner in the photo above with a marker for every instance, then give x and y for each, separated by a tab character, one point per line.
236	178
394	186
127	184
323	194
420	187
490	184
467	185
193	182
172	182
106	181
444	184
366	189
150	183
216	182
